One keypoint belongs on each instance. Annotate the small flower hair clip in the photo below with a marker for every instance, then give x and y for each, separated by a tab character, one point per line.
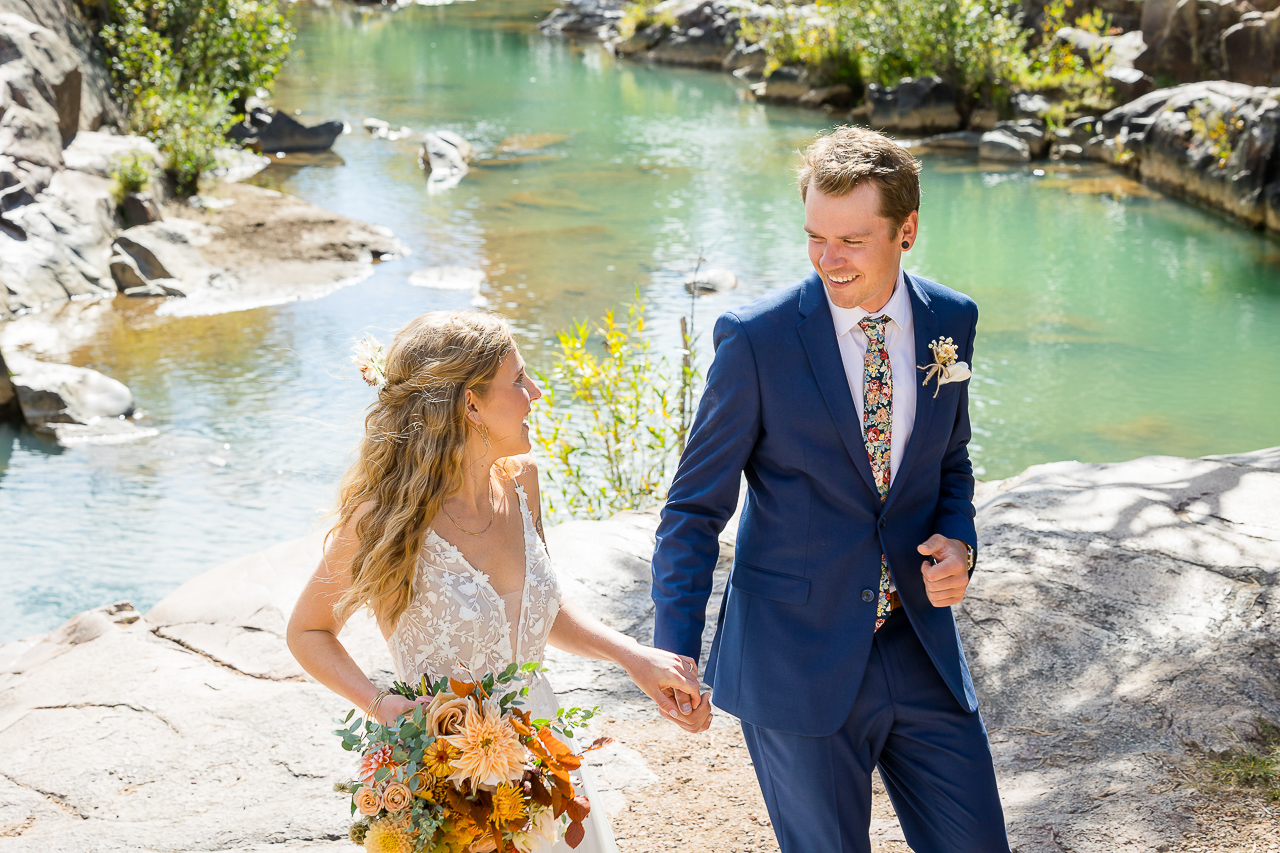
371	359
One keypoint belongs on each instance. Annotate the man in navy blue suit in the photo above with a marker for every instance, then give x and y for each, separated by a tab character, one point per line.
844	401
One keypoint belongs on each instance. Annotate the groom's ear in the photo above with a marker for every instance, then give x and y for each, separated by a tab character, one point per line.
910	228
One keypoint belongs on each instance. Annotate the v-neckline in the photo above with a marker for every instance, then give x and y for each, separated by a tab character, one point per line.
513	632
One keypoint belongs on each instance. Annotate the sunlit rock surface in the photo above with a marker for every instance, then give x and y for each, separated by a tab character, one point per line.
1122	617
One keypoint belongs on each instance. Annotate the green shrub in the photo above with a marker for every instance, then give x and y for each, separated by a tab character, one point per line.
131	175
614	418
976	47
183	67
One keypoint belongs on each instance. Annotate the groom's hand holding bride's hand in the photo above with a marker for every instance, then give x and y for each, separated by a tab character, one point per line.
946	575
671	681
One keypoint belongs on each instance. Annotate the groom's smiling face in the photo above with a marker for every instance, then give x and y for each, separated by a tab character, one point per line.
855	249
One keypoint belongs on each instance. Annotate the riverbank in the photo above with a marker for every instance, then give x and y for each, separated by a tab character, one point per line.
64	233
1208	136
1120	627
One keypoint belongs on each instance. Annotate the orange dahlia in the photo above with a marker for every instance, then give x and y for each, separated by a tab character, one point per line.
508	804
491	751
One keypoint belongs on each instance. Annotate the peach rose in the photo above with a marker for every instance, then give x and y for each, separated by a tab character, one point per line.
396	797
367	801
445	716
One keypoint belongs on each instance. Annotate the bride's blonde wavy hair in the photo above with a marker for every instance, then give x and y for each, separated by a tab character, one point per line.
411	459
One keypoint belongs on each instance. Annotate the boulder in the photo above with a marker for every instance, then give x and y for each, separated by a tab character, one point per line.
1189	45
1029	105
140	209
1031	131
444	161
165	253
959	142
1213	143
915	106
786	85
73	38
747	61
1251	50
10	408
983	119
271	131
1004	147
594	18
703	33
712	280
61	393
839	95
40	99
1128	84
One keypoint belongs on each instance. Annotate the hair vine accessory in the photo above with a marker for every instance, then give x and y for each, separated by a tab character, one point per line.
371	359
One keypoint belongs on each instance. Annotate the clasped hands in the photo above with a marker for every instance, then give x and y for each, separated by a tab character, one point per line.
671	681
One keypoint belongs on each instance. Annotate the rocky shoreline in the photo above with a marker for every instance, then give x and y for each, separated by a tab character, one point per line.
1120	627
1208	136
63	237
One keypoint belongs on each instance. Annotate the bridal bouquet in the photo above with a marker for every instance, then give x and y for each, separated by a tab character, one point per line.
468	772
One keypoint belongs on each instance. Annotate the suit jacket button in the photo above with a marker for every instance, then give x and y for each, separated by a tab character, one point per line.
882	524
868	595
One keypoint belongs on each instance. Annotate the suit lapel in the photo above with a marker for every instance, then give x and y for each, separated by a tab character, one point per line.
927	327
818	335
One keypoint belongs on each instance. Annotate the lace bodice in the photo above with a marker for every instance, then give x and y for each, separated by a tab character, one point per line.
457	620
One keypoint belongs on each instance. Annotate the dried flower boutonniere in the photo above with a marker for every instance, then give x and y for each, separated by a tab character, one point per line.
945	368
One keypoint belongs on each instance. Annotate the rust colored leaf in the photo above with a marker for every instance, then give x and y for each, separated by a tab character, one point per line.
574	834
578	809
554	745
461	688
571	762
598	743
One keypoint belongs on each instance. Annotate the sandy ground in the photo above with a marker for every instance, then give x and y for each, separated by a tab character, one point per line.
707	799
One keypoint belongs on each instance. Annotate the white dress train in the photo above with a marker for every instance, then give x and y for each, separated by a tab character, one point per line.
457	625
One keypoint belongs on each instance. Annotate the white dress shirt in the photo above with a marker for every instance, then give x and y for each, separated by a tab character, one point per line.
900	343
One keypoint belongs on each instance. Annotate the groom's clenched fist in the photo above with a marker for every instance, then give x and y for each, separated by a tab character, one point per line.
946	576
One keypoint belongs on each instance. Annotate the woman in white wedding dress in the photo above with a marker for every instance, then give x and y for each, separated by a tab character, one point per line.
440	535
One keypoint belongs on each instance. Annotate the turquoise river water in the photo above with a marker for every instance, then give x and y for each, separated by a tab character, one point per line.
1115	323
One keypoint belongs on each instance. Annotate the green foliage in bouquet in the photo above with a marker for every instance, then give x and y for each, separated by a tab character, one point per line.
467	768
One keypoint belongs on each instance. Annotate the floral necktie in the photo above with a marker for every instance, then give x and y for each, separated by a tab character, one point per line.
877	429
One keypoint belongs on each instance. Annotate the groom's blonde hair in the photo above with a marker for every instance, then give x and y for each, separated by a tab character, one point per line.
844	159
411	458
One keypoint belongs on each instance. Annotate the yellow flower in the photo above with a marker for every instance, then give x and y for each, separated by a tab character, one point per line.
388	836
438	758
491	751
508	804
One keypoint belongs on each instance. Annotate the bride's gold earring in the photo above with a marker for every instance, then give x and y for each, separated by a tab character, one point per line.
484	433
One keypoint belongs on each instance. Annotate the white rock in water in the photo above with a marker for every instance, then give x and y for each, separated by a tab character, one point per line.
711	281
448	278
444	160
61	393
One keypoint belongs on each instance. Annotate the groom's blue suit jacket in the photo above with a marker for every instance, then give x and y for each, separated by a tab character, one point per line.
794	630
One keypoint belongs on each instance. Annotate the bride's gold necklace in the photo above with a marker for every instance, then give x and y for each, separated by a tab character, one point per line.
492	514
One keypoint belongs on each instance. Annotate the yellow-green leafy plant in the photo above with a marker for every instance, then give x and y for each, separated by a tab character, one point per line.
132	174
644	14
614	419
1078	84
807	36
1213	129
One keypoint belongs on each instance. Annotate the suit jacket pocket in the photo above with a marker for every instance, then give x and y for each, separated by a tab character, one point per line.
775	586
